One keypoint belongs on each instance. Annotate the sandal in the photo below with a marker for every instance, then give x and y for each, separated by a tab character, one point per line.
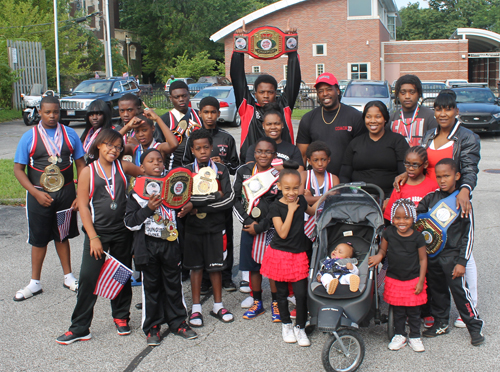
26	293
72	287
220	315
195	316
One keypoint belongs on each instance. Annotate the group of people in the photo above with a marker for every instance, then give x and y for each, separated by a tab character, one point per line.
409	155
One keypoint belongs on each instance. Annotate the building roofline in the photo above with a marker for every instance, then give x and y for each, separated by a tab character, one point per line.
222	33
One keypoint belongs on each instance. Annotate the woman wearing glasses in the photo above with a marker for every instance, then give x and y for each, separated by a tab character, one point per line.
377	156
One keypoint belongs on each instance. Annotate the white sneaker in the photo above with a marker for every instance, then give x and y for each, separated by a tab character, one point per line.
416	344
397	342
301	336
459	323
287	333
292	300
247	302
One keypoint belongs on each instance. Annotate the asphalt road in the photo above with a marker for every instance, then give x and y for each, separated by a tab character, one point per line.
28	329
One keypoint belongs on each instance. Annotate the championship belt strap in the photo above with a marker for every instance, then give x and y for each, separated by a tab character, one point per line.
175	188
434	224
266	42
258	185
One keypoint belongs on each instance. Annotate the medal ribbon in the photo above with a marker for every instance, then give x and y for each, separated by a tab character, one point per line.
166	213
140	150
211	164
89	140
53	147
315	183
413	119
110	189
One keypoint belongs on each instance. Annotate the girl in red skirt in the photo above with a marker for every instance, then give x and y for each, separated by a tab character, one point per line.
405	281
285	260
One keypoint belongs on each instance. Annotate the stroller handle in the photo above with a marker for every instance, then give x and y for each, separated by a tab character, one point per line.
364	185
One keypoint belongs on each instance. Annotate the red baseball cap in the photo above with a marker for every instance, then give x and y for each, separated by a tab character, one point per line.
327	78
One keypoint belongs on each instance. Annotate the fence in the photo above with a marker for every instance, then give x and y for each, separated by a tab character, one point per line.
28	59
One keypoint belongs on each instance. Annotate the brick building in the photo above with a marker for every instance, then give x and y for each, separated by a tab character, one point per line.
355	39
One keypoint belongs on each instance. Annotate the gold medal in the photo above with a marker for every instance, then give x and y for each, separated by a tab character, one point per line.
53	159
52	180
256	212
201	215
173	236
182	125
157	218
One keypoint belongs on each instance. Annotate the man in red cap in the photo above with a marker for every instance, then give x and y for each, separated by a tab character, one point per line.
333	122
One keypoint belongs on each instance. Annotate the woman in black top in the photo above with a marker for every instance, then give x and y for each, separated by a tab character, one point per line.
377	156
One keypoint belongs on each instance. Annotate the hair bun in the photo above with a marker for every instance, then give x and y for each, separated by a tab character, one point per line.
290	164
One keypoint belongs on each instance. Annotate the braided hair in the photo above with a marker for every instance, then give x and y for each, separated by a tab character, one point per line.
408	206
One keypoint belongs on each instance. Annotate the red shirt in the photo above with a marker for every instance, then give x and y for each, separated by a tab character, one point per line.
413	192
434	156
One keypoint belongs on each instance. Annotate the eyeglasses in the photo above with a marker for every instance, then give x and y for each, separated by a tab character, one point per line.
266	153
111	147
412	165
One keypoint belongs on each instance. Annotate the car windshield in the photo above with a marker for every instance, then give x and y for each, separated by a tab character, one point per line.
427	86
251	78
93	87
207	79
366	91
475	96
217	93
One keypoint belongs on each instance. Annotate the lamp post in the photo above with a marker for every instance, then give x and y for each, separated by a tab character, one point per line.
107	45
127	40
56	36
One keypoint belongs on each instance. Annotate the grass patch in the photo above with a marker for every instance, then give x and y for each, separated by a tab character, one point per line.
298	113
160	112
10	188
8	115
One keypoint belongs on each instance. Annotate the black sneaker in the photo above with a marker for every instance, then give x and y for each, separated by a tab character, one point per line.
205	288
476	338
154	337
69	337
229	286
122	326
185	331
439	328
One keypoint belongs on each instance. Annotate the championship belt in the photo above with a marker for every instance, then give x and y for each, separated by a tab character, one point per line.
255	187
434	224
265	42
52	179
175	188
205	182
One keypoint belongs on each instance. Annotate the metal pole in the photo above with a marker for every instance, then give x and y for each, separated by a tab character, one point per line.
109	62
56	36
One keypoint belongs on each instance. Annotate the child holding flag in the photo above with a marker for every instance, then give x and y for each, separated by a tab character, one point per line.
102	202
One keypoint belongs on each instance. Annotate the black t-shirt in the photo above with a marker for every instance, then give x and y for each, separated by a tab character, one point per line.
402	254
337	135
286	151
296	241
377	162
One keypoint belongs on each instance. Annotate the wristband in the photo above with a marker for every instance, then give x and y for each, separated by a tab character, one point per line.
95	237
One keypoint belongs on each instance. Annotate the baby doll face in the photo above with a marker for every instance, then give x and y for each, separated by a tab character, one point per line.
342	251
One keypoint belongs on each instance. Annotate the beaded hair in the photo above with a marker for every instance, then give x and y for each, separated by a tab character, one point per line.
408	206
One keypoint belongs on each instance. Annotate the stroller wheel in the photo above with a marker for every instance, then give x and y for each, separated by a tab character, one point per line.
347	358
390	323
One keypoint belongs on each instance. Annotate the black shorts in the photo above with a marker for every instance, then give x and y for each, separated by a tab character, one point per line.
247	263
42	221
205	251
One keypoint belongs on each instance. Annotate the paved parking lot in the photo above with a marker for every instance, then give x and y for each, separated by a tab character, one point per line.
29	328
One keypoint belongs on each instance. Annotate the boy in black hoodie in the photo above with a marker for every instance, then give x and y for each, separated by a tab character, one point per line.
446	271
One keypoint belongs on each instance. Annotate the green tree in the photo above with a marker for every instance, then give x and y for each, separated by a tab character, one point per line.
7	78
199	65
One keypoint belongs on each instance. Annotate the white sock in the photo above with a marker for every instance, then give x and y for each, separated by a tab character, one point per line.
34	285
245	275
196	309
217	307
69	279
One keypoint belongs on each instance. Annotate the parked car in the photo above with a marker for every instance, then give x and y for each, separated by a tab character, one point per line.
359	92
186	80
479	109
227	101
450	83
74	106
207	81
282	85
343	85
251	79
432	88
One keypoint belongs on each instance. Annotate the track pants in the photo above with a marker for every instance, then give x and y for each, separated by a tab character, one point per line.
300	290
440	282
162	296
117	245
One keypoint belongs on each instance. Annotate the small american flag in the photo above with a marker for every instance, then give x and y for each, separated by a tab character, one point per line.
309	226
112	278
64	222
260	243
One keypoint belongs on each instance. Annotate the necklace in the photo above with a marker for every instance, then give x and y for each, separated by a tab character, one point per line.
323	115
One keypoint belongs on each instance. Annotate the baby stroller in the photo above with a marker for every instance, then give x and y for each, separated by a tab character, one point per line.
347	213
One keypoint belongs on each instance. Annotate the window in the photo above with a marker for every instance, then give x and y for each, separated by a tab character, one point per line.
391	26
285	71
319	50
320	68
359	71
359	8
255	69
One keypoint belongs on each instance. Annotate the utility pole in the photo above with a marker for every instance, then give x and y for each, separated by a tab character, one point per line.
107	46
56	36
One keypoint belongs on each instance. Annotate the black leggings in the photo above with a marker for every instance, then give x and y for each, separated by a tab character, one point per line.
300	291
413	315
